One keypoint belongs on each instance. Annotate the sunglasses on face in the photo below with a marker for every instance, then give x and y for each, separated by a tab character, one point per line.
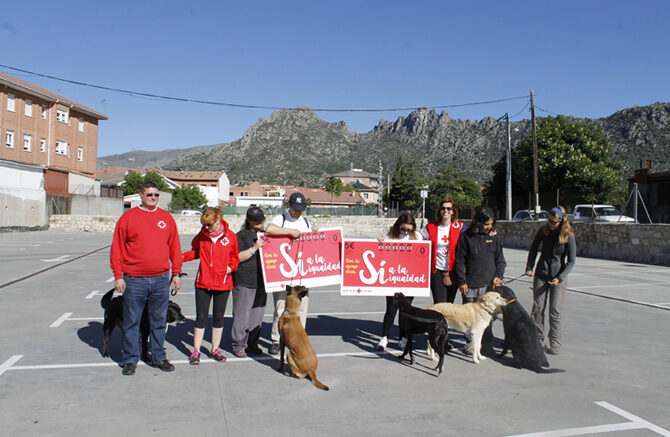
446	208
406	230
553	222
152	195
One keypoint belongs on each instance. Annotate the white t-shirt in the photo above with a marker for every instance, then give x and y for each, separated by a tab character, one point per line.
442	255
286	221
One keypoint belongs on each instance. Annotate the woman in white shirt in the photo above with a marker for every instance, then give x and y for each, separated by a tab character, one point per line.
404	228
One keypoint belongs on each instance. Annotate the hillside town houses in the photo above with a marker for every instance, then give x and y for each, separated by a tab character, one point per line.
48	163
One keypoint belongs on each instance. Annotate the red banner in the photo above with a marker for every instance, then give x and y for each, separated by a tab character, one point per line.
312	260
373	268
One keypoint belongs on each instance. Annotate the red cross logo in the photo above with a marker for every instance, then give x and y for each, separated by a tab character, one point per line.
445	239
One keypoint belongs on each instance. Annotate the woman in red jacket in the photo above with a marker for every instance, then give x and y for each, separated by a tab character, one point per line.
443	235
216	246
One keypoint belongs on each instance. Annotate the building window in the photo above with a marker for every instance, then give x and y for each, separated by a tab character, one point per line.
9	138
61	147
43	144
27	140
81	125
80	153
44	112
62	115
29	108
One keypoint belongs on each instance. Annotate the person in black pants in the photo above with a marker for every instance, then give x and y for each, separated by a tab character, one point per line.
404	228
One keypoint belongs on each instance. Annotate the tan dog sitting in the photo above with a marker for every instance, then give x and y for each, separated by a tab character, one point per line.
301	356
471	318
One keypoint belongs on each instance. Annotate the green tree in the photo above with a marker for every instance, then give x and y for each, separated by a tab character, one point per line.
335	187
134	181
187	197
465	192
573	157
405	186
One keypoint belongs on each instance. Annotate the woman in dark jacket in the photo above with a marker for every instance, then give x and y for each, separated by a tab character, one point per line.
216	247
557	242
249	297
479	262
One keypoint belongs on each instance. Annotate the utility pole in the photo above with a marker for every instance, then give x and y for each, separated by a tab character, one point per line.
380	192
508	170
536	190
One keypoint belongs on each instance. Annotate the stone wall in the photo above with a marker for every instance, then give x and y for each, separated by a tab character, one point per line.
648	244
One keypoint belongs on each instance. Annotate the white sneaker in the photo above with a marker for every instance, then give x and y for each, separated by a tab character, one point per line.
382	343
402	343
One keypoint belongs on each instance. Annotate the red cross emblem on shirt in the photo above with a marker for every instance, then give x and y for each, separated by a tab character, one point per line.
445	239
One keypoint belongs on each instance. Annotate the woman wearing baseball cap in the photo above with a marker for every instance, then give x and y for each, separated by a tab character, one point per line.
249	296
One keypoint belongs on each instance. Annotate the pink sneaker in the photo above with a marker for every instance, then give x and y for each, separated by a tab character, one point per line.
194	358
218	356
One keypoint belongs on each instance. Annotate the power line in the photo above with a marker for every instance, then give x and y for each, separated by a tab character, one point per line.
522	109
237	105
548	112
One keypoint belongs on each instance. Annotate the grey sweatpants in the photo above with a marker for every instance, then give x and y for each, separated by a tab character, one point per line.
246	317
542	293
280	303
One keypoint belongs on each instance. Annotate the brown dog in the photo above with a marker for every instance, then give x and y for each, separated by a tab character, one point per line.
301	356
471	318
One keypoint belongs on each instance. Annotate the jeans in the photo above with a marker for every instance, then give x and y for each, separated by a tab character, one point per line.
154	292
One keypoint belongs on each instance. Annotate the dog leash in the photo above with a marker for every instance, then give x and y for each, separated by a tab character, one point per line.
514	279
173	291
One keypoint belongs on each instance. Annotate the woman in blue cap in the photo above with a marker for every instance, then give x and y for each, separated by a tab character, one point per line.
558	251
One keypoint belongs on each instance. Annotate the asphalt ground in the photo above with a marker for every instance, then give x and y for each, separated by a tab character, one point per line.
53	380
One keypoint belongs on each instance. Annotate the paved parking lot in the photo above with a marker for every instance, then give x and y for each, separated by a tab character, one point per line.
53	380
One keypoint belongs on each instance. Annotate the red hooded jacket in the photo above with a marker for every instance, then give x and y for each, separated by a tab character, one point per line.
215	258
454	234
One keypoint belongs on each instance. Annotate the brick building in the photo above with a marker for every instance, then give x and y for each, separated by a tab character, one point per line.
42	128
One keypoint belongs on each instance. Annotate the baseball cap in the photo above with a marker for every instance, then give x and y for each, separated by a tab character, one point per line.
255	213
297	202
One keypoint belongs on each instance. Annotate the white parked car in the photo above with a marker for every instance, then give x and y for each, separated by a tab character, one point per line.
529	215
599	213
190	212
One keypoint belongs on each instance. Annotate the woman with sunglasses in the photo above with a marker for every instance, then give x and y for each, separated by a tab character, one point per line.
556	242
404	228
216	247
443	235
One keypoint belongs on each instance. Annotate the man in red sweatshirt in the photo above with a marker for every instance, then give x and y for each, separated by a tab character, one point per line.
144	251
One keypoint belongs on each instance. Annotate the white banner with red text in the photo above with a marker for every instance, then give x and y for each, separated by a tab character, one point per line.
373	268
312	260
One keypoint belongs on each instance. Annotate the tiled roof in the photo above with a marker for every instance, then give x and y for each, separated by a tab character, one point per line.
29	88
191	175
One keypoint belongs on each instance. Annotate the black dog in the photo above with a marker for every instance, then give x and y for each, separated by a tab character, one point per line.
114	317
415	320
521	334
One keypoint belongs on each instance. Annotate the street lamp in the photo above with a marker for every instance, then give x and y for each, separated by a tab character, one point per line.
424	194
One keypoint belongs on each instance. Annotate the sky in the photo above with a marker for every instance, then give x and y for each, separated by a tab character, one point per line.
582	58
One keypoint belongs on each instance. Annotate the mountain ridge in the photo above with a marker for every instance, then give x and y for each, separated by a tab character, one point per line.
298	147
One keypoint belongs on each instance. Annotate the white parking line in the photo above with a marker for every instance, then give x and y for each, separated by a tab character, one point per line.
66	317
8	364
91	294
623	285
231	359
60	320
635	423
